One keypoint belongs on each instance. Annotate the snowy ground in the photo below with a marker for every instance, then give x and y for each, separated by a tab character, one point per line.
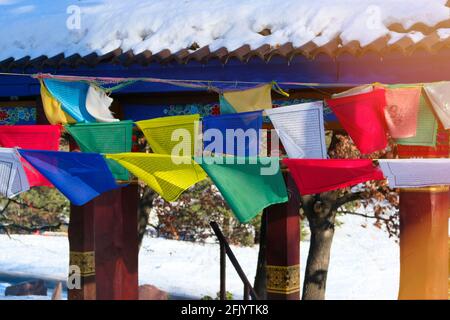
364	263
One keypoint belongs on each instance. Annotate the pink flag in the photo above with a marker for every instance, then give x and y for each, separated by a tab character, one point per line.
401	111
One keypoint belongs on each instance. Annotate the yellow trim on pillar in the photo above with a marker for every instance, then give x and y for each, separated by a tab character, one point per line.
426	189
85	261
283	279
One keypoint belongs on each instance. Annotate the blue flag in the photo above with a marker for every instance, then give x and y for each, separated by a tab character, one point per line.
72	96
235	134
79	176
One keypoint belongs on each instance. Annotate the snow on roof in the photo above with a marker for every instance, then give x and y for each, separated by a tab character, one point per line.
46	27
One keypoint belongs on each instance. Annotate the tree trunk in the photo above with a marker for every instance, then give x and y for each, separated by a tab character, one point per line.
317	264
260	278
145	204
321	216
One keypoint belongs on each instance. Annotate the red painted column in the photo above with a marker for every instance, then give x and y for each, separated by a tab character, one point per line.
424	230
116	244
424	243
283	247
82	257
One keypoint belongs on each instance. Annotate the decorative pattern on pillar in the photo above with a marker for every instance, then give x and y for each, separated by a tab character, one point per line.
283	280
82	264
424	243
283	247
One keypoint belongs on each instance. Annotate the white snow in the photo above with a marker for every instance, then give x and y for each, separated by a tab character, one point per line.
364	263
48	27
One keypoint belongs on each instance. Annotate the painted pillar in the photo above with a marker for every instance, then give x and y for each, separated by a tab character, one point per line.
283	247
424	231
103	239
116	244
82	256
424	243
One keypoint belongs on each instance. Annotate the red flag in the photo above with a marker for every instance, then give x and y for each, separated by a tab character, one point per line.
321	175
34	137
362	116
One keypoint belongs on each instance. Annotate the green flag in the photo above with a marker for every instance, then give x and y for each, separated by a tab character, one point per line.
110	137
248	185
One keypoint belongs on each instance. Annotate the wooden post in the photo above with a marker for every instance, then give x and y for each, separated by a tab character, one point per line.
116	244
283	247
424	243
81	243
424	230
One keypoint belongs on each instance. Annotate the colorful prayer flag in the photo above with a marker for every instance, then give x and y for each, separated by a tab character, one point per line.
72	96
225	107
322	175
439	95
13	179
233	134
402	111
362	116
427	125
173	134
167	175
98	103
354	91
410	173
79	176
113	137
301	129
35	137
248	185
258	98
52	108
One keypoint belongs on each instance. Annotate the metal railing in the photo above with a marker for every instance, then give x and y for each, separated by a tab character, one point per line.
225	250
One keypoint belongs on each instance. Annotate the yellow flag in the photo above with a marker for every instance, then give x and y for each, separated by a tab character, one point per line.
167	175
254	99
52	108
176	135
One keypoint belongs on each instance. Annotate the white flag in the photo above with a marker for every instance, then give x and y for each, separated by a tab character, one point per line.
410	173
301	129
13	179
98	103
439	95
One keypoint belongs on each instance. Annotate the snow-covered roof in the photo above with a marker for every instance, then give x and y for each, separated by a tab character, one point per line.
199	29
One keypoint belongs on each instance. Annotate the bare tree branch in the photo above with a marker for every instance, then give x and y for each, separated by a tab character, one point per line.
364	215
30	229
349	197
